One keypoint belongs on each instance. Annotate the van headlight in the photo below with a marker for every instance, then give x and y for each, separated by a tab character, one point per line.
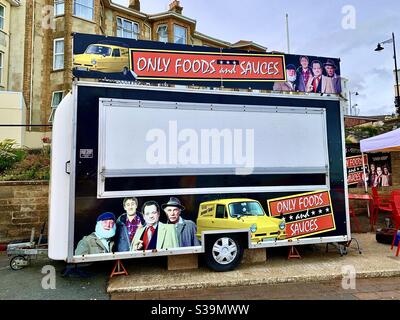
253	228
282	225
94	61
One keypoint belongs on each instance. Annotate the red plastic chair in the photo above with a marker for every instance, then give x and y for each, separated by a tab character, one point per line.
379	203
396	218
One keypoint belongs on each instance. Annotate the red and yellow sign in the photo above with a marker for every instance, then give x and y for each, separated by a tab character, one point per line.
305	214
153	64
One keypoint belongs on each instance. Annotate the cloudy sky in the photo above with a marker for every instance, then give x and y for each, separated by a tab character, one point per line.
321	28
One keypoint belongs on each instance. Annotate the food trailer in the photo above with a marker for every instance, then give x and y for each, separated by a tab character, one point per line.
201	130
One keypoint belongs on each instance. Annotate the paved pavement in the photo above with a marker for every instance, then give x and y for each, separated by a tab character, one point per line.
318	275
377	260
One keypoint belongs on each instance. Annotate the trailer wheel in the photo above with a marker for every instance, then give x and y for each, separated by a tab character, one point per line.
18	262
223	253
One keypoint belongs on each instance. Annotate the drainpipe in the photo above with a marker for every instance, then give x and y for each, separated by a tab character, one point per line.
31	84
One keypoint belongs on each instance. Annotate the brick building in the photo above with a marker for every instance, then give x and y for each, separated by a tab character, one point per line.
39	51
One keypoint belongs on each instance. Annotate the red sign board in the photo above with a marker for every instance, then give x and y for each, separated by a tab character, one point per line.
355	168
200	66
305	214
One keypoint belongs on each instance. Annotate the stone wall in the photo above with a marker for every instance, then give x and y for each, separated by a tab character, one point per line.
23	205
395	159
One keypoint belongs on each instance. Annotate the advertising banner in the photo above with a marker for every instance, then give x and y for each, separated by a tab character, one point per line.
305	214
200	66
122	59
378	168
354	167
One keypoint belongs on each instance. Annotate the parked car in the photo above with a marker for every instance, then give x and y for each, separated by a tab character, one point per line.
103	58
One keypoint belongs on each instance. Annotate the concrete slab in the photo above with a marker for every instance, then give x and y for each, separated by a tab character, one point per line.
251	256
183	262
377	260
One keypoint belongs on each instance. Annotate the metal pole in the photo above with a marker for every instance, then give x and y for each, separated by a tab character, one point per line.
365	182
397	97
287	33
349	102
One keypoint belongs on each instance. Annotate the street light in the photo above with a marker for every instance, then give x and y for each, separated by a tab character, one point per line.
379	47
355	109
350	106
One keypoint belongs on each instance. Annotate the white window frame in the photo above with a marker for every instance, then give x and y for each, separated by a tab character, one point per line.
76	3
54	107
60	4
186	34
1	66
158	32
2	18
135	34
58	54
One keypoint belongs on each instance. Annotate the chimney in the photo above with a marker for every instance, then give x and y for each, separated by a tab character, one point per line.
134	4
174	6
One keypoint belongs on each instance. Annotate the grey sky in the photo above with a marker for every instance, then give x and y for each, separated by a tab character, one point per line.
315	29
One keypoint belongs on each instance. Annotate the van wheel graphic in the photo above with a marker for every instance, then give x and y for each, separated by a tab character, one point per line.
223	253
125	71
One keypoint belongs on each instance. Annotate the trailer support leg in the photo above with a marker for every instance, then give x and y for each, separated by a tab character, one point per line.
118	269
293	253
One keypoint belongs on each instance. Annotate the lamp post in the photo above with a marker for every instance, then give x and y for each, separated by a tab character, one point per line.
355	109
380	48
350	106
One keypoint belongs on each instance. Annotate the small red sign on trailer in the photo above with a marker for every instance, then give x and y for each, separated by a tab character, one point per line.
305	214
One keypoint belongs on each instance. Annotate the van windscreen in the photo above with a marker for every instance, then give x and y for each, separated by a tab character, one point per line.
96	49
245	208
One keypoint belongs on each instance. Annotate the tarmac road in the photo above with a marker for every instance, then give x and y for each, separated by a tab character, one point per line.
26	283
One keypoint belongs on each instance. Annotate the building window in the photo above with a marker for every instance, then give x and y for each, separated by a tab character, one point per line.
55	101
179	34
58	54
83	9
127	29
2	13
58	7
162	32
1	66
